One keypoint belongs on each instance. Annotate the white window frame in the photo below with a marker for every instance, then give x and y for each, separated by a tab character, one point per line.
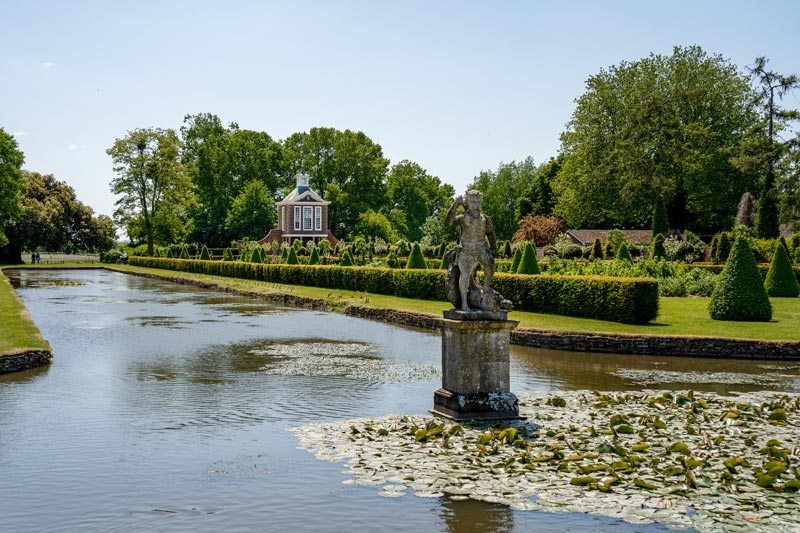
317	218
297	217
308	216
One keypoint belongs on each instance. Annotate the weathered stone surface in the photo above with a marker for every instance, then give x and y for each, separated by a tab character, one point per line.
24	360
475	315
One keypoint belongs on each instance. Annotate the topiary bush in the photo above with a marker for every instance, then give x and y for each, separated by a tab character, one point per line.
205	255
392	261
528	263
444	264
415	258
781	280
631	300
740	293
314	259
597	250
657	250
515	261
623	254
507	251
184	252
227	255
291	257
346	259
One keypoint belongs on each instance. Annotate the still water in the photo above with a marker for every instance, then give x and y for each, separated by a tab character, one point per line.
165	408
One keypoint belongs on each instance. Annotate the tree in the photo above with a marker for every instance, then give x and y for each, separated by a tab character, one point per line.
52	218
346	167
373	224
657	250
781	280
415	259
501	189
540	229
528	263
416	194
660	221
773	87
739	293
668	125
252	213
623	254
597	249
11	187
538	198
149	171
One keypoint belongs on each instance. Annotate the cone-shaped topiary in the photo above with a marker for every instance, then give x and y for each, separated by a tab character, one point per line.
257	256
227	255
622	253
284	254
314	259
443	264
346	260
515	261
781	280
291	257
797	255
528	263
184	253
169	252
205	255
597	250
739	293
507	252
660	220
415	259
657	250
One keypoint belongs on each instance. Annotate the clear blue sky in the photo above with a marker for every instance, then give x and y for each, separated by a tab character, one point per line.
455	86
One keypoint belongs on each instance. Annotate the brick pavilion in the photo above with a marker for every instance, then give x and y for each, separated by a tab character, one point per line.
303	214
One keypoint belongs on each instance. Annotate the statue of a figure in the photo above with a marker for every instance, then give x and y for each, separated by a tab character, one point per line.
476	247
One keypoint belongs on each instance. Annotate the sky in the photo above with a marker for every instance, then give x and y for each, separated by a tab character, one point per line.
458	87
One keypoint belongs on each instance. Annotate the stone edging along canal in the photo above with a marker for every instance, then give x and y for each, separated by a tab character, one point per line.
714	347
16	362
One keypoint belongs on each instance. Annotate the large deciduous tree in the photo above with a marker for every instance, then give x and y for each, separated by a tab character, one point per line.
346	167
670	125
252	213
51	218
538	198
501	189
149	177
416	194
11	184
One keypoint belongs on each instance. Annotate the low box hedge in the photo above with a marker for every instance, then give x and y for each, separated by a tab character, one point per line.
629	300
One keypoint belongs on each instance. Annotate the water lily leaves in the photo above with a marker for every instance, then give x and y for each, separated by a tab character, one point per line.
625	429
641	483
583	480
777	417
679	447
557	401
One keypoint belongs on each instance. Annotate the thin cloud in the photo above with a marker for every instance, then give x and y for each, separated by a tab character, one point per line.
48	64
73	147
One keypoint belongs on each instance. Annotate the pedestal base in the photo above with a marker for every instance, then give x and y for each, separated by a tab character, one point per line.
476	406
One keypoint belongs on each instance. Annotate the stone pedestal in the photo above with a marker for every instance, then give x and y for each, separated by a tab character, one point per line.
475	367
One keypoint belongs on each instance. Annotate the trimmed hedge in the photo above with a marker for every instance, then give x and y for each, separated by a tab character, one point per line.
739	293
781	280
630	300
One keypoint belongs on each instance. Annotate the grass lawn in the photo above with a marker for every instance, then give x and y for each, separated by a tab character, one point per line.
678	316
18	333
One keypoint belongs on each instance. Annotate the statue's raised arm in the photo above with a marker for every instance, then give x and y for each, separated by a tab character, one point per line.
451	217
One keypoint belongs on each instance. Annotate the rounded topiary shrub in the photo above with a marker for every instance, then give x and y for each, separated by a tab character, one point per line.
314	259
781	280
528	264
515	261
739	293
623	254
291	257
416	259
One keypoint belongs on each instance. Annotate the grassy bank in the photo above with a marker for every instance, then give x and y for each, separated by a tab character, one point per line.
677	316
18	333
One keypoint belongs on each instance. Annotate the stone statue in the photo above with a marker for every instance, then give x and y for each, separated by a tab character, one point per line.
476	247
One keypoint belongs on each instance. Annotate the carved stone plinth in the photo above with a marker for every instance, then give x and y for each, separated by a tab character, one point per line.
475	368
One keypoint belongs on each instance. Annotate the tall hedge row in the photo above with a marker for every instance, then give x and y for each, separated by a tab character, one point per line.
630	300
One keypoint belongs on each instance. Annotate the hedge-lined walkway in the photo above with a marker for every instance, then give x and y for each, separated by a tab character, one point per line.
18	333
677	316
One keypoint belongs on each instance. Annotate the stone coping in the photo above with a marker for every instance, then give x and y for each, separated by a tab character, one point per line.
24	360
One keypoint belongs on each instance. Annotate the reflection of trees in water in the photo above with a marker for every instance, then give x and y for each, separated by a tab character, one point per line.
25	376
582	370
470	516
